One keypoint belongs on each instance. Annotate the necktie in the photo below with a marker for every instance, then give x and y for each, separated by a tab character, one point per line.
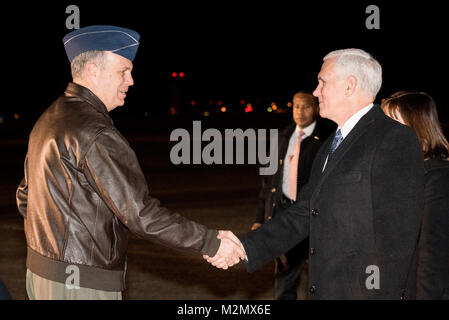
337	139
293	173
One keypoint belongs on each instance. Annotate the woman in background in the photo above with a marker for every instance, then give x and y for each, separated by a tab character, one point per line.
418	111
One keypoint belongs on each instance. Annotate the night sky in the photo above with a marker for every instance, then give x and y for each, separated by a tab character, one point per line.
260	52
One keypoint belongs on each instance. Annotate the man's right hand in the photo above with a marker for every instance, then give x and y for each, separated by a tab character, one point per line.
229	253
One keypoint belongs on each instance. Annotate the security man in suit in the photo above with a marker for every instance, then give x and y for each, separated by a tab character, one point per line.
291	267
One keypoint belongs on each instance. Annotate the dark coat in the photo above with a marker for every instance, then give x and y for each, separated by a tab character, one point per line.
363	211
271	190
270	194
433	256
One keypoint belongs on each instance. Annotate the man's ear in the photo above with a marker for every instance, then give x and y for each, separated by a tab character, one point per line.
91	70
351	85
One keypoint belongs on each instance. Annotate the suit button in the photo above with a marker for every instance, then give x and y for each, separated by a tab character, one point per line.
273	190
314	212
274	204
269	218
312	251
312	289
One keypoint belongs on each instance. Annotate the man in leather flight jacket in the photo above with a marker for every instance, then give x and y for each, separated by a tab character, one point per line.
83	187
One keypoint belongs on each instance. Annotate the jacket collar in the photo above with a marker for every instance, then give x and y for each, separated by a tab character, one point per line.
287	132
85	94
362	125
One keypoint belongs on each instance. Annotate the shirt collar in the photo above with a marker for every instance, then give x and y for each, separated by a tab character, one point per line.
307	130
351	122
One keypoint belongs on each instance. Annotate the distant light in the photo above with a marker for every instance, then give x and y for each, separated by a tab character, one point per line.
223	109
211	101
269	109
289	104
16	116
249	105
275	107
220	102
242	101
173	111
273	103
174	74
193	102
181	74
206	113
248	109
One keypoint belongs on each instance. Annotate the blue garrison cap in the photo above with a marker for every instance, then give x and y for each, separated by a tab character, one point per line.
121	41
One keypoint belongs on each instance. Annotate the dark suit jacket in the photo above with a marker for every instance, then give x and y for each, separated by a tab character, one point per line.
364	211
271	192
433	262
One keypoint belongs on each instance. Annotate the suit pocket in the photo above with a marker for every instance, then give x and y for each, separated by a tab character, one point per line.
344	178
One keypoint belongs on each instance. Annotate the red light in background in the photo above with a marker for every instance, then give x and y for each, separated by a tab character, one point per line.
242	101
220	102
181	74
210	102
174	74
193	102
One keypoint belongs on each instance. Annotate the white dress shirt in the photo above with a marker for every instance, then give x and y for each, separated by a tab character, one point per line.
350	123
291	145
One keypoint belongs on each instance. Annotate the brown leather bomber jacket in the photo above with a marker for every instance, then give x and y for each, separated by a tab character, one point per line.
83	190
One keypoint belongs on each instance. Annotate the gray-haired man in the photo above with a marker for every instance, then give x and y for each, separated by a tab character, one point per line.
83	187
362	206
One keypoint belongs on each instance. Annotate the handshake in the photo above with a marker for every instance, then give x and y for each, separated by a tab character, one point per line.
229	253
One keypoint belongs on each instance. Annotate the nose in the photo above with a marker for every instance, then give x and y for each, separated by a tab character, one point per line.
130	80
316	91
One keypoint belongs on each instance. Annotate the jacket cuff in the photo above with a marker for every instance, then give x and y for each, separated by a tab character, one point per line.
211	243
